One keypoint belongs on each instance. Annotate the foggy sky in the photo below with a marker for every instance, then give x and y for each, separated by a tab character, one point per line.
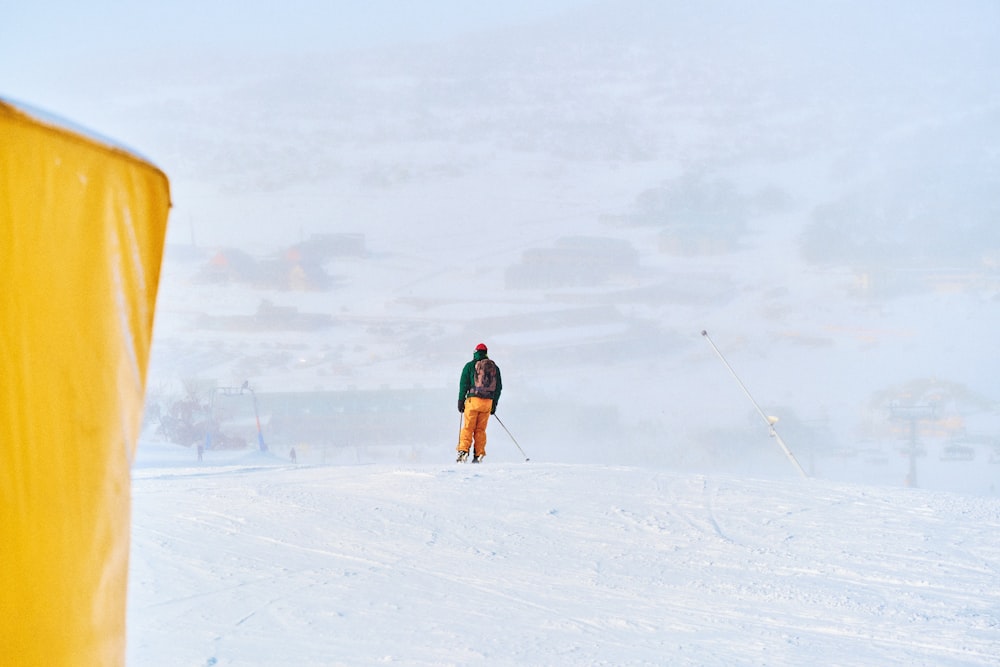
816	184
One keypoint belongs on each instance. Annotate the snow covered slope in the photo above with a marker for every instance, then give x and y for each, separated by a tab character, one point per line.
253	561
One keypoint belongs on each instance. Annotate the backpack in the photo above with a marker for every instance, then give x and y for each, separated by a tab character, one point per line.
484	379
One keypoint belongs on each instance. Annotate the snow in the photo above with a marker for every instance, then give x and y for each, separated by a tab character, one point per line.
247	559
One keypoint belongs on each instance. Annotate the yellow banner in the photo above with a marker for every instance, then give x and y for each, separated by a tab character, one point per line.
82	228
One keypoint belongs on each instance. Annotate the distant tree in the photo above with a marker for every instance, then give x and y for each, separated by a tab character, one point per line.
928	215
696	213
938	405
187	420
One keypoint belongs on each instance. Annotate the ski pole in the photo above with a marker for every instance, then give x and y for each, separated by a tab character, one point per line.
512	438
767	420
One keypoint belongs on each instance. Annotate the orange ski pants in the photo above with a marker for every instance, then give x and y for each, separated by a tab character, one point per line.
477	413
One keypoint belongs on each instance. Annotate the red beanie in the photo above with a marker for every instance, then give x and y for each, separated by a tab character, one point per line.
481	347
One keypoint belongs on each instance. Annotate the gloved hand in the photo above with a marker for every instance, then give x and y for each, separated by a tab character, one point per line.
493	410
461	405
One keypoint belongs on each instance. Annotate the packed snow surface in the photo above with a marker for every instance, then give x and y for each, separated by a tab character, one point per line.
247	559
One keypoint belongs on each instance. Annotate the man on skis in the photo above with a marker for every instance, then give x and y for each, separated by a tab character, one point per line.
478	392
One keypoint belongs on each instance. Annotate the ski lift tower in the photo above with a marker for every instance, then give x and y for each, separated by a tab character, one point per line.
239	391
913	414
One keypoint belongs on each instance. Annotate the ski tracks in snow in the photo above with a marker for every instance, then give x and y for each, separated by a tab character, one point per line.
554	564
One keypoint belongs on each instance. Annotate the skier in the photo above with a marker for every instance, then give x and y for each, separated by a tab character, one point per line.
478	393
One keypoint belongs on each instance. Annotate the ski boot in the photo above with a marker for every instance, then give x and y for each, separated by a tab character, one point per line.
462	457
478	459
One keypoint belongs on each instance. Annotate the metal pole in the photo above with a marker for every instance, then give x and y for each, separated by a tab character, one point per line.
767	420
256	413
512	438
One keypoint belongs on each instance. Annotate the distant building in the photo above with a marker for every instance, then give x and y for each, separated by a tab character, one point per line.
575	261
228	265
300	267
351	417
268	317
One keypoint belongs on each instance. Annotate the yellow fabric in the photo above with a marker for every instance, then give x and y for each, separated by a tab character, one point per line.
82	229
474	420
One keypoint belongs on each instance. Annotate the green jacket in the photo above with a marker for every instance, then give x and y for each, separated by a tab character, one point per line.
469	376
